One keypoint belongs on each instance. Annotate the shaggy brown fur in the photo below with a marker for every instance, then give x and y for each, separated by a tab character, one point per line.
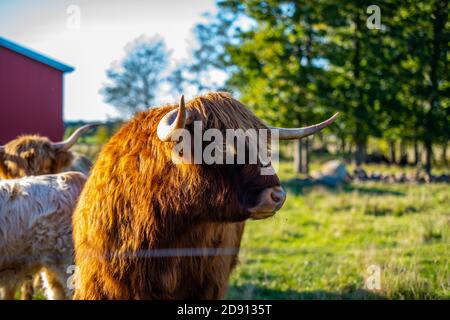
31	155
137	201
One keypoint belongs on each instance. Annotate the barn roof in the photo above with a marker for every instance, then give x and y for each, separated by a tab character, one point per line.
35	55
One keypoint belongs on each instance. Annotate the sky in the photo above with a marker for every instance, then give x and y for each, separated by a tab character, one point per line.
89	35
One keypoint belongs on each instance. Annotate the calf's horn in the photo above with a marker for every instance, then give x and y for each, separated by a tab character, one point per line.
298	133
173	120
70	141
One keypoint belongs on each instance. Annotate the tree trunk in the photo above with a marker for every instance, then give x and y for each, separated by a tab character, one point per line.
305	161
343	145
392	151
416	153
308	55
403	161
444	153
360	132
360	154
297	156
301	156
428	156
439	47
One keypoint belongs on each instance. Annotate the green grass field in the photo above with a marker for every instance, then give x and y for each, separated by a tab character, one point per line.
325	244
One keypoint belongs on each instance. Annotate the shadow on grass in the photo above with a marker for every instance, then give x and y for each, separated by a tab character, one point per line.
303	186
248	292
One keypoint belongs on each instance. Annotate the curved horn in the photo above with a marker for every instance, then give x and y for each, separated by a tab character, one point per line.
298	133
167	125
70	141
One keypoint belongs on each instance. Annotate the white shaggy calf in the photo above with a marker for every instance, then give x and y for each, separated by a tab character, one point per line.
36	230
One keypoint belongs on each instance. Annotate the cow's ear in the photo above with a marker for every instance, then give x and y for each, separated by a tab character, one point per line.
62	160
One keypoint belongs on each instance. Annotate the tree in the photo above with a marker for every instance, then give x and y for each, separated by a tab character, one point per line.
134	81
207	67
428	39
363	75
177	79
270	51
295	62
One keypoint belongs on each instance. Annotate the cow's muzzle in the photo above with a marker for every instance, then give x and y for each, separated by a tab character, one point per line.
270	200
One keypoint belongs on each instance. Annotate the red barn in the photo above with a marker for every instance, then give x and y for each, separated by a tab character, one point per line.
31	93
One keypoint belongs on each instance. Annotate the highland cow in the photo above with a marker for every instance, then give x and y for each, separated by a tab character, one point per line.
36	230
31	155
146	227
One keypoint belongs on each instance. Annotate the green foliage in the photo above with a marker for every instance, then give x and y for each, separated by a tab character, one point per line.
296	62
277	60
102	135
